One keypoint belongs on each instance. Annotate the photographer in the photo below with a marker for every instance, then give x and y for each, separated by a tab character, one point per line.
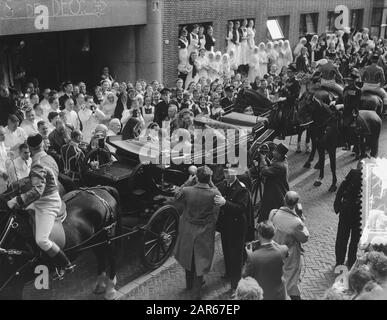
291	231
274	174
265	262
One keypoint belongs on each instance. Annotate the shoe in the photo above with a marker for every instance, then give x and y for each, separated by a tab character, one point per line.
63	265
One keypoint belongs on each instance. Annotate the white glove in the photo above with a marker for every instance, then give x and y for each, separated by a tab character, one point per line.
12	203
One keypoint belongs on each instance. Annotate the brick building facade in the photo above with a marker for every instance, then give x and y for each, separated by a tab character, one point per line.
292	12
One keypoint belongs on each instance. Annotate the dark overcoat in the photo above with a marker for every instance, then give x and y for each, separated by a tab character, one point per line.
275	177
197	227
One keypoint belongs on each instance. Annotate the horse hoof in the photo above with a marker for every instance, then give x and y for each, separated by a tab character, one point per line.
333	189
111	295
307	165
317	183
317	166
111	292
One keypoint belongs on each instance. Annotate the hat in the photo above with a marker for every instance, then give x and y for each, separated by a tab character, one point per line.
229	89
292	67
282	149
34	142
165	91
66	83
375	57
353	75
233	169
13	118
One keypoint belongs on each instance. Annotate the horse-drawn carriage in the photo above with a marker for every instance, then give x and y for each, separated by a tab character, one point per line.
98	217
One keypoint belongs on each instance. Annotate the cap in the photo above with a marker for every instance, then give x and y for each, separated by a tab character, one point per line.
292	67
66	83
165	91
229	89
375	57
234	169
355	74
266	76
35	141
13	118
282	149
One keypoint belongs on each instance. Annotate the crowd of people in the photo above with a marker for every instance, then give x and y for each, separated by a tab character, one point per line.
72	121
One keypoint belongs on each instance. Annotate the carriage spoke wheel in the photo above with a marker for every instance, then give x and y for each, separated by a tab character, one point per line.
159	236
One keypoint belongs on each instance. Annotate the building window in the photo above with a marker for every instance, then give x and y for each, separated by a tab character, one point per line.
330	27
308	24
376	21
278	27
357	19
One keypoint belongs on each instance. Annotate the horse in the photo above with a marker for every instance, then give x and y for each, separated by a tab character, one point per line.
371	101
248	97
329	136
92	217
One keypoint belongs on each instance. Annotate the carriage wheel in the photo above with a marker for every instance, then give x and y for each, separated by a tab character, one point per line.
160	236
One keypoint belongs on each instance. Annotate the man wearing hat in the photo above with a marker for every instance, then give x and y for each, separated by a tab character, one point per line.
44	198
275	180
234	221
374	79
161	110
228	100
351	97
329	73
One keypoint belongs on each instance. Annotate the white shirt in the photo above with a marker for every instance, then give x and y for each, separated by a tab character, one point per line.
16	138
72	119
19	169
90	121
29	128
3	157
46	109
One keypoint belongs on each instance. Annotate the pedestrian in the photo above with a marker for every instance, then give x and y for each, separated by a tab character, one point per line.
275	180
348	205
234	219
161	109
265	263
291	231
195	243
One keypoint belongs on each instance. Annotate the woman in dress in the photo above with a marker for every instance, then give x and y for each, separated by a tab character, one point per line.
183	54
218	65
281	55
193	39
271	54
210	40
225	68
277	55
297	50
229	38
245	52
202	62
202	38
251	35
192	68
288	56
236	39
263	59
108	107
148	111
254	70
212	66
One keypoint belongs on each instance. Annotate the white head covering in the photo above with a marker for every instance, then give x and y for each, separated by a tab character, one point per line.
262	46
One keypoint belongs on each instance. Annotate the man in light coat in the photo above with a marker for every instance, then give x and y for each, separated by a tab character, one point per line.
195	243
291	231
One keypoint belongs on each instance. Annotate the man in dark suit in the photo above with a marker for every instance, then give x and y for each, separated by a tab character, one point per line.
275	179
161	110
233	223
265	263
68	93
228	100
348	205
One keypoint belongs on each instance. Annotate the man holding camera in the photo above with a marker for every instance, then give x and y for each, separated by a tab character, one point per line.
275	178
265	262
291	231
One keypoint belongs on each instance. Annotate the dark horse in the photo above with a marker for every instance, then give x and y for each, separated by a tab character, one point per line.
328	135
92	217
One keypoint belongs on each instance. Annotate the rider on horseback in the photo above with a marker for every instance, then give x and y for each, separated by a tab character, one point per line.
374	79
351	98
44	198
329	73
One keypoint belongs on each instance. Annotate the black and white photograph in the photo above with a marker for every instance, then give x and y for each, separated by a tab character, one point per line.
209	151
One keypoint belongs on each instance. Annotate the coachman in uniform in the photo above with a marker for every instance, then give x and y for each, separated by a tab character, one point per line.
43	197
348	205
235	221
